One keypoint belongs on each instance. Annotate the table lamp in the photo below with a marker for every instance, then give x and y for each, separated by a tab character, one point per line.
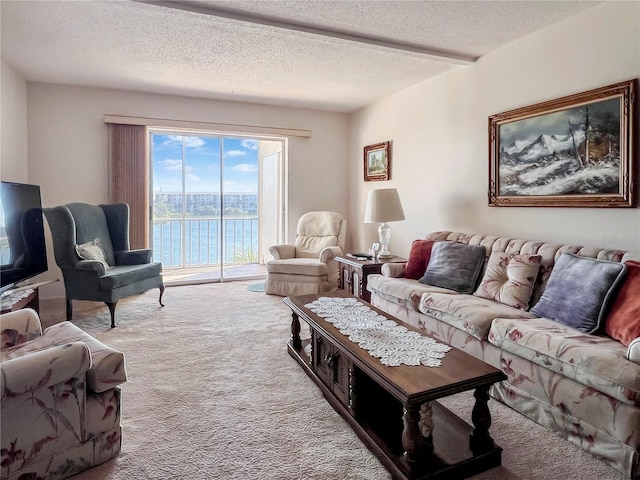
383	205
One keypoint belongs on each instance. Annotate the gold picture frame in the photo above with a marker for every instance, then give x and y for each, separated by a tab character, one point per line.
575	151
377	162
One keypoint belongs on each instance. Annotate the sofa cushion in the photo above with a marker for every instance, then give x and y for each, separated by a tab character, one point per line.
579	291
454	266
623	321
509	278
127	274
311	267
467	312
595	361
401	291
418	259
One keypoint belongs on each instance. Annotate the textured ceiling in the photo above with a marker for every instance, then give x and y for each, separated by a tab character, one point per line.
322	54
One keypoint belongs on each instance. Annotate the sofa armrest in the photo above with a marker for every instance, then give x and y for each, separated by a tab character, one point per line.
393	270
329	252
44	368
139	256
280	252
19	327
633	352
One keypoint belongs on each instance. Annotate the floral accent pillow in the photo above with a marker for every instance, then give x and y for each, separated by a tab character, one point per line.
579	291
623	322
418	259
509	279
92	250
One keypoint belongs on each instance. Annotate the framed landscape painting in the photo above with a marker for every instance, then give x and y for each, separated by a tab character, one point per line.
575	151
377	162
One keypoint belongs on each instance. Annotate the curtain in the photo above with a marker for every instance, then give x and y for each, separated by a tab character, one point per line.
129	174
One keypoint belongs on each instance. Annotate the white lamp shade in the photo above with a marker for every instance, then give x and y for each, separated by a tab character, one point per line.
383	205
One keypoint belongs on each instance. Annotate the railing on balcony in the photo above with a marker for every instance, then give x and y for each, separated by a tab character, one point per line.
198	241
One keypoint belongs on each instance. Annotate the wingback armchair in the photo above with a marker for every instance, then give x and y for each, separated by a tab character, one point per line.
308	265
61	402
91	247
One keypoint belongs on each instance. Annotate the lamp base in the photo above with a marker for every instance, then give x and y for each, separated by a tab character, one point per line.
384	235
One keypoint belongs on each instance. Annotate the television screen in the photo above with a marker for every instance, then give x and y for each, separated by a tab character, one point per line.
23	252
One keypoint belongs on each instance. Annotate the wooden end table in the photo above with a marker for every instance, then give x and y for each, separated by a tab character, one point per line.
353	273
393	409
17	301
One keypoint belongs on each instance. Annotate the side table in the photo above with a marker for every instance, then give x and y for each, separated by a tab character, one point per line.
352	273
23	299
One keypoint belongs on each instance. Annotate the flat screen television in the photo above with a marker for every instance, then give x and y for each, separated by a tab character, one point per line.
23	251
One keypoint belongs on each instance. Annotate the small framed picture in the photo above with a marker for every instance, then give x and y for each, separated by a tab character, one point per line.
377	162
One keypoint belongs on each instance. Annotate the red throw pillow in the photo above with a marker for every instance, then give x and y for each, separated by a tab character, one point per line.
623	321
418	259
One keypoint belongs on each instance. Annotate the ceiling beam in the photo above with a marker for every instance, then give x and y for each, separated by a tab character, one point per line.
379	43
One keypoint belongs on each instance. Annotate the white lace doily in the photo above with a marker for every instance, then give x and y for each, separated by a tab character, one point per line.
384	339
9	299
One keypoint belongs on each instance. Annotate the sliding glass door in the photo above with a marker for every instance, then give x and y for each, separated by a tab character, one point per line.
217	204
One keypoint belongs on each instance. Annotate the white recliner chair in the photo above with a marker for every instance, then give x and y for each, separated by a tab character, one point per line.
309	265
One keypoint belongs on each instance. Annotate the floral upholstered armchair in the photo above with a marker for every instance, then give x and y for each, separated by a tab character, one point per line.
60	411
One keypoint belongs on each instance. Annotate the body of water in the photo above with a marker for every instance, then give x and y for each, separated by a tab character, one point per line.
202	245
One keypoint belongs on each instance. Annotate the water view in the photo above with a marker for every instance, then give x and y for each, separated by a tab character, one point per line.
202	241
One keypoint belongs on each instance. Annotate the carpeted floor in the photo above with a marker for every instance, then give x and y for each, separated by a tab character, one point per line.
213	394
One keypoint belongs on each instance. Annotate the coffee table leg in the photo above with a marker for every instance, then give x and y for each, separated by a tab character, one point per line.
481	417
417	437
296	343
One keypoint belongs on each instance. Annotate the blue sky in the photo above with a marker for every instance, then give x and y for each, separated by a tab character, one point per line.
202	164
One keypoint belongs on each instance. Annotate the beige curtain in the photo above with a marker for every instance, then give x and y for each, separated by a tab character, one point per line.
129	173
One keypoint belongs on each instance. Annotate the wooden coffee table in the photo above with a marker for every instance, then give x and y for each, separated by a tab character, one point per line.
393	409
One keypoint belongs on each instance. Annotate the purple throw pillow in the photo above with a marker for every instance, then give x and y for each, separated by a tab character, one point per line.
579	291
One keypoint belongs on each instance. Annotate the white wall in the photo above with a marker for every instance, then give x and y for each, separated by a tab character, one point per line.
13	125
440	140
68	144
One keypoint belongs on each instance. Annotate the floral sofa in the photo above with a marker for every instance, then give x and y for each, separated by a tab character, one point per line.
582	382
60	409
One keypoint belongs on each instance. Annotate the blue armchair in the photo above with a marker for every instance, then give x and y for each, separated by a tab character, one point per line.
91	247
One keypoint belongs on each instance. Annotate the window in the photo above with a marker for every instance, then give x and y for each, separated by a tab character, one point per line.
216	202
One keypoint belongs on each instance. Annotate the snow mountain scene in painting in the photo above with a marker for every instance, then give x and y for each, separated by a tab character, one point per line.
570	152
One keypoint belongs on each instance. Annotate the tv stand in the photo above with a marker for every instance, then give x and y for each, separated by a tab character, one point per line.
23	299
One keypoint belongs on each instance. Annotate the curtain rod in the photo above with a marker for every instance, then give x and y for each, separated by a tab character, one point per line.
193	125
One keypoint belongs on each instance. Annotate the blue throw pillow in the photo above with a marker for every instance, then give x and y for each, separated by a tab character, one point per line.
455	266
579	291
